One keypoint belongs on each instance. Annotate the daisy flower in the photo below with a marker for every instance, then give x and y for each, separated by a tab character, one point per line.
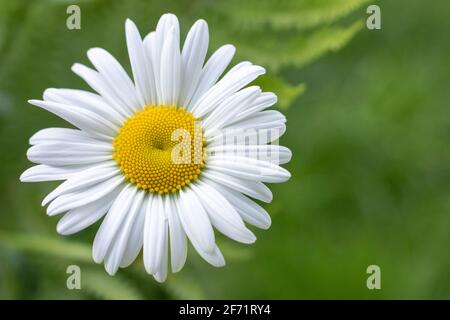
164	157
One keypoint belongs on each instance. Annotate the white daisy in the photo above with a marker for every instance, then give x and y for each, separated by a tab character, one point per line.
122	161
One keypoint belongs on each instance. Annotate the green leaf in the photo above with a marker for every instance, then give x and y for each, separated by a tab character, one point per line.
46	245
287	14
181	286
296	49
103	286
235	251
285	91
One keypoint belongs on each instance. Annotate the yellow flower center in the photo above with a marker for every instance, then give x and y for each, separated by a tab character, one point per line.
160	149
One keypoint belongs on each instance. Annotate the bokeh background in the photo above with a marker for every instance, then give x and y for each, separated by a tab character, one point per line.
368	124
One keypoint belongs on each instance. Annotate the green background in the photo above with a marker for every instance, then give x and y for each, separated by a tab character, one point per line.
367	124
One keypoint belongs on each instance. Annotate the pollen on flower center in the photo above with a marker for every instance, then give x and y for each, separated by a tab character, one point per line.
160	149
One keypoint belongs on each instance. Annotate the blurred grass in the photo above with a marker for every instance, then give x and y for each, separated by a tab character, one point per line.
370	172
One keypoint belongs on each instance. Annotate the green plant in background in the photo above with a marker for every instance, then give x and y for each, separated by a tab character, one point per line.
36	51
285	34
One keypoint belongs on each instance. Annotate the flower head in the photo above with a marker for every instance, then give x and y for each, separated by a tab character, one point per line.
164	157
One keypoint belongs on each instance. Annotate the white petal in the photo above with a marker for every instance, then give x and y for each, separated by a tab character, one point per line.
79	117
155	234
214	257
178	243
141	65
84	179
212	70
60	154
195	221
238	66
254	189
64	135
261	121
155	43
244	136
136	238
152	53
192	59
87	100
271	152
250	211
119	241
113	221
80	218
223	216
225	87
166	24
229	108
170	70
116	77
161	274
43	172
77	199
81	146
264	101
248	168
97	82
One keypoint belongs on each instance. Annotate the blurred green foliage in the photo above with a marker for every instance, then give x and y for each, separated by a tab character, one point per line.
370	171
